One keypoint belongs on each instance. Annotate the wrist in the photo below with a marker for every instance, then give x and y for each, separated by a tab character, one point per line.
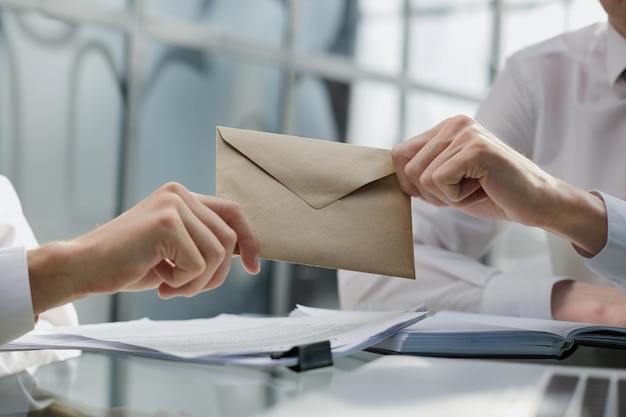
580	217
52	281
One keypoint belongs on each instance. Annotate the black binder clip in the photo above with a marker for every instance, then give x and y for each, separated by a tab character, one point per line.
311	356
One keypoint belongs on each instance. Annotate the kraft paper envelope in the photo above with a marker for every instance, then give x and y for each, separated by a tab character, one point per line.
318	203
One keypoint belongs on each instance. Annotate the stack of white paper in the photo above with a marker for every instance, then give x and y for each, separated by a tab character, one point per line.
226	338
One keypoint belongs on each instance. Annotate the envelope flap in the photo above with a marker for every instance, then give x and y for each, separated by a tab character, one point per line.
318	171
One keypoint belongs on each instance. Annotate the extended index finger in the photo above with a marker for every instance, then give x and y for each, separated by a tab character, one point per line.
234	217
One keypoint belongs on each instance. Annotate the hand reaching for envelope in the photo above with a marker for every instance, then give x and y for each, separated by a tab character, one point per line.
176	241
458	163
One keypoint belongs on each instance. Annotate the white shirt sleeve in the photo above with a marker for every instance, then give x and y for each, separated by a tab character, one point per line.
449	273
16	311
610	262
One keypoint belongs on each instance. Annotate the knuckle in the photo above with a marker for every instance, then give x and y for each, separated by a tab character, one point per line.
174	188
472	138
215	282
461	120
190	292
167	218
187	290
411	171
218	254
437	177
194	268
426	180
230	237
478	147
197	267
169	200
396	155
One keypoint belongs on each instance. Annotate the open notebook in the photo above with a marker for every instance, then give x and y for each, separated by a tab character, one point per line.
460	334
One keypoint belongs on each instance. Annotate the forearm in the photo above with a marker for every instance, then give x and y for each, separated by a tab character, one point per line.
579	216
588	303
52	271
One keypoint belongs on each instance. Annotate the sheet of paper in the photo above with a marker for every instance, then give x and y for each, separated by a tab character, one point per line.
458	320
226	338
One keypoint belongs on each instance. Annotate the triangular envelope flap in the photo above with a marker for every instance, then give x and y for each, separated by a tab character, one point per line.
318	171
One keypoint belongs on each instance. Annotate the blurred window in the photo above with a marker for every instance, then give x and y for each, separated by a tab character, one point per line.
101	101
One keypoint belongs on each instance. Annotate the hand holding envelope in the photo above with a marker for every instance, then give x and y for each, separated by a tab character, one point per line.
318	203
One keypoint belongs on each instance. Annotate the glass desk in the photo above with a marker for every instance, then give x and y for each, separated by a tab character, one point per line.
105	385
95	385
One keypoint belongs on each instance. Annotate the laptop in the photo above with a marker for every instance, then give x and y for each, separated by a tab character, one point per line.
421	386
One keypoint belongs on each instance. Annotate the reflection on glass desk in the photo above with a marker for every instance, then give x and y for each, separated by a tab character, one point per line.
102	385
126	386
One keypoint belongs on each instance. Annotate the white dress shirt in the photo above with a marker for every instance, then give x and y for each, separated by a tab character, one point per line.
16	311
563	104
610	262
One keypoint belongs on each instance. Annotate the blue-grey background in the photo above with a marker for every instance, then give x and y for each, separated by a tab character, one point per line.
102	101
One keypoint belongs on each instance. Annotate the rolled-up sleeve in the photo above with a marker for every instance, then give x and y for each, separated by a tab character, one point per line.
610	262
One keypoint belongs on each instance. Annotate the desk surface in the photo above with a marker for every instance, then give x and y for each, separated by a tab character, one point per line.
128	386
104	385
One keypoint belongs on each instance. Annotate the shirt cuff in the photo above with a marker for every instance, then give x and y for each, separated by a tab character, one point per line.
16	308
610	262
520	295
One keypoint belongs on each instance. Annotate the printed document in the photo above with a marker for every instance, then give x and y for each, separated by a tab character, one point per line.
226	338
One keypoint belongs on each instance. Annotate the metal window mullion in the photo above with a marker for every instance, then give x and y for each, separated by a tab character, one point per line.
281	278
407	18
134	80
290	80
197	37
76	11
129	142
496	38
331	67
